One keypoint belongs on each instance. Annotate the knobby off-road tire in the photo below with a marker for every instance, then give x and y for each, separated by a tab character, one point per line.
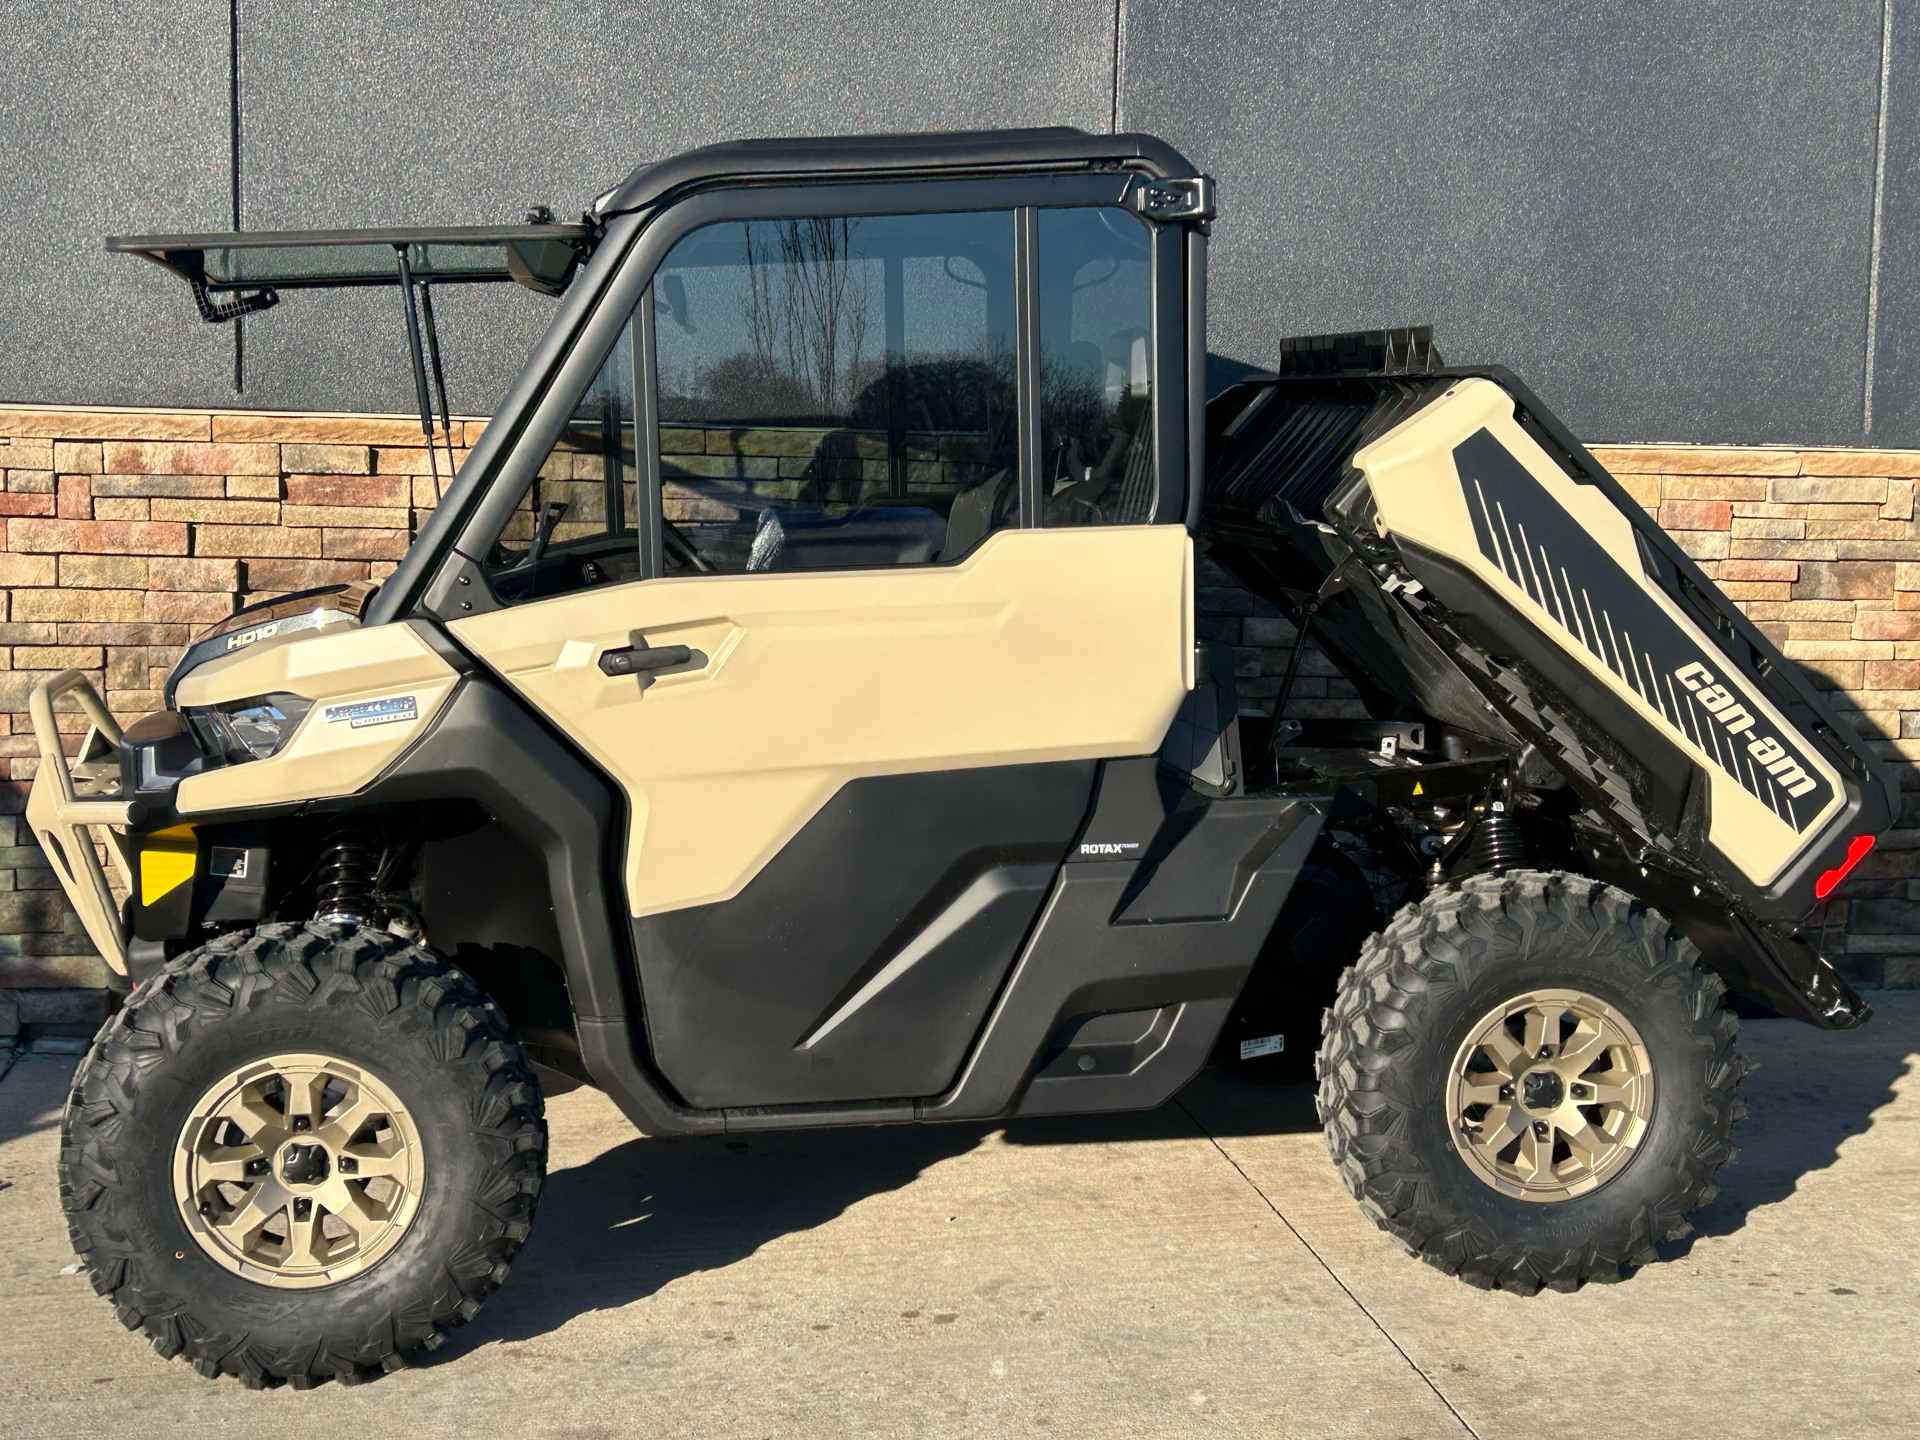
1439	974
428	1043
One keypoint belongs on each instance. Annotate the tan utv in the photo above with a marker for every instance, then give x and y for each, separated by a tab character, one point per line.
795	714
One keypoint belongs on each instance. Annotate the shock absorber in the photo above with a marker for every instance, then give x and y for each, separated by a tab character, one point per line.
1498	844
344	881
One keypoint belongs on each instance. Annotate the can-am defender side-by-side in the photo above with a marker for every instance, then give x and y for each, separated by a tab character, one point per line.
795	714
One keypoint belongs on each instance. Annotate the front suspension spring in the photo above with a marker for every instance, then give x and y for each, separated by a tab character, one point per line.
1498	845
344	882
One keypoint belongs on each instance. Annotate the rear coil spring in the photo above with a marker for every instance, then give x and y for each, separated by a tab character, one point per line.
344	886
1497	844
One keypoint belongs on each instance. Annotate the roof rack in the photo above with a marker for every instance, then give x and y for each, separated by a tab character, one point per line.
541	255
238	273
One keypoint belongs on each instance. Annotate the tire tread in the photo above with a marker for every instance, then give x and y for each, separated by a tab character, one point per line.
1377	1017
404	988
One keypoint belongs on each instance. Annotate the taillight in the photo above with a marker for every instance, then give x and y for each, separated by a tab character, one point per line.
1856	852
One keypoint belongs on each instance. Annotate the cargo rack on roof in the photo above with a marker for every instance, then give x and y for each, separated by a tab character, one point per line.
541	255
252	267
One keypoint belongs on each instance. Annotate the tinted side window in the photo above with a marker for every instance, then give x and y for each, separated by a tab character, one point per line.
1095	297
837	392
575	524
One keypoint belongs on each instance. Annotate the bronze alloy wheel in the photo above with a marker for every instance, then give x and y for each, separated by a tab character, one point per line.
1480	1065
298	1171
1550	1095
342	1121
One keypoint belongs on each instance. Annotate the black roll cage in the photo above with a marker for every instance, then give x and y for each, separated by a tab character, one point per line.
461	587
440	573
627	232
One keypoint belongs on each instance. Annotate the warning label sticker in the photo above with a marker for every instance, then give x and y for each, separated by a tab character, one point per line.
1265	1045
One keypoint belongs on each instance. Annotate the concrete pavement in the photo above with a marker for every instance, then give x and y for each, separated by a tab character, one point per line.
1197	1270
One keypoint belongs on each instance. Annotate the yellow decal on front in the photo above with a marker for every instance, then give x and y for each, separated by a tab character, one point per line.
167	861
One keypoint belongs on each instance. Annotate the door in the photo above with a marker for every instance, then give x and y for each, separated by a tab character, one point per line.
887	479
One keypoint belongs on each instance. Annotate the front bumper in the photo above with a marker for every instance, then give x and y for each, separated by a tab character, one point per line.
70	799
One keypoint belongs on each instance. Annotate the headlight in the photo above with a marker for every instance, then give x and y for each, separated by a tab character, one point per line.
251	729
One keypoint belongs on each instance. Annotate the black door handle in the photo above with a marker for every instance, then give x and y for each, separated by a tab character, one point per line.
638	659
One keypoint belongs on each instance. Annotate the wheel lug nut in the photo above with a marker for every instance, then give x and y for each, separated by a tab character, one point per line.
1506	1092
256	1167
305	1122
302	1208
349	1166
1539	1129
1579	1092
1545	1051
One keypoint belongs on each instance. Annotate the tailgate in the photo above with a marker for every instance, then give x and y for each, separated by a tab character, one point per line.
1551	562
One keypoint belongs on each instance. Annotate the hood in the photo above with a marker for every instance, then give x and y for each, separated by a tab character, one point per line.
272	622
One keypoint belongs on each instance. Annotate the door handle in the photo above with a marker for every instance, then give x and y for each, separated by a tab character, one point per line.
639	658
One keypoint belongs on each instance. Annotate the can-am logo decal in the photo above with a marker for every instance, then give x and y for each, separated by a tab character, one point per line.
1580	591
1724	706
362	713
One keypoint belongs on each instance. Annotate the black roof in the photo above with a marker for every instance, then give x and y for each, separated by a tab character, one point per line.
544	255
1059	147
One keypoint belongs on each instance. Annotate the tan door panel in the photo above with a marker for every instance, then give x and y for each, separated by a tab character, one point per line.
1041	645
1755	772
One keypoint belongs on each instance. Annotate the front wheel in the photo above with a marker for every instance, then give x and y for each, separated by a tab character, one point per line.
1528	1080
301	1153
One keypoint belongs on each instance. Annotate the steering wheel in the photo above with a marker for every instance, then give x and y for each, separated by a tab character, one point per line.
673	539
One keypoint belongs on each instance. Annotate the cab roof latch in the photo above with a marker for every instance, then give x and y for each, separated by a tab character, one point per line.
1174	199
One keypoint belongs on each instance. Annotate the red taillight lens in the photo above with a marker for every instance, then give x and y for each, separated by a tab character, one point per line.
1856	852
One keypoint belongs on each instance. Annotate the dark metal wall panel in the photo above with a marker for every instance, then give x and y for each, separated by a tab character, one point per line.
1659	214
113	117
469	110
1896	368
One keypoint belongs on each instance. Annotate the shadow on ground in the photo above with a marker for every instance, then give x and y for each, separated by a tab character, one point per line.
1814	1089
644	1213
50	1074
648	1211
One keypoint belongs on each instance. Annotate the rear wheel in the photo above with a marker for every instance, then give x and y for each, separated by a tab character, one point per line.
1528	1080
300	1153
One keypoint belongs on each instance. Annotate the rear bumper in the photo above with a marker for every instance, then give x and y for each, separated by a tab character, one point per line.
63	810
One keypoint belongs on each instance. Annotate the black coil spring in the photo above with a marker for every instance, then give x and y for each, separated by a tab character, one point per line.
344	882
1497	844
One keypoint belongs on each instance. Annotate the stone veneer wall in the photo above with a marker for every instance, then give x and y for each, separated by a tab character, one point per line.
128	531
